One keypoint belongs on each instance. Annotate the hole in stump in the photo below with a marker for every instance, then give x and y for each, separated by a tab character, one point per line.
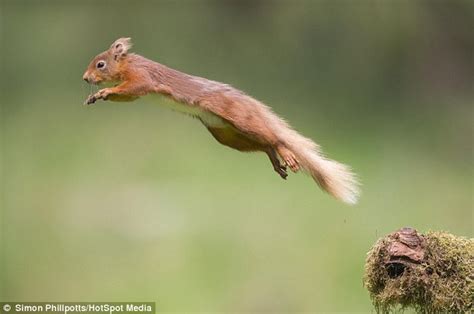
395	270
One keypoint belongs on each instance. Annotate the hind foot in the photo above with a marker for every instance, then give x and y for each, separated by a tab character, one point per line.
281	170
277	166
289	158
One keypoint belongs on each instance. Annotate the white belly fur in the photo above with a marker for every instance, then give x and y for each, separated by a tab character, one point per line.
208	118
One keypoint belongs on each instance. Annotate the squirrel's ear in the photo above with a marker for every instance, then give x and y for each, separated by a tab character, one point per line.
120	47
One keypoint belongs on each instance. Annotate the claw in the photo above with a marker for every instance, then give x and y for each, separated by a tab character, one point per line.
102	94
289	158
277	166
282	172
90	100
292	163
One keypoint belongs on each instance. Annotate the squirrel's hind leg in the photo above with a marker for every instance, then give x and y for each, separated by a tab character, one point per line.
277	166
236	140
288	157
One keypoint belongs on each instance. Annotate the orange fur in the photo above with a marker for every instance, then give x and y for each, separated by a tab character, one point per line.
233	118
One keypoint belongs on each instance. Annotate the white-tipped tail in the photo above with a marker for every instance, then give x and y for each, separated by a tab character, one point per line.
333	177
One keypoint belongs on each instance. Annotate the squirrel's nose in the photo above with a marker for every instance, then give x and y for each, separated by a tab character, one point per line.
85	77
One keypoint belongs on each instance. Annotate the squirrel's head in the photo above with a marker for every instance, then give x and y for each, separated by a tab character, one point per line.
105	67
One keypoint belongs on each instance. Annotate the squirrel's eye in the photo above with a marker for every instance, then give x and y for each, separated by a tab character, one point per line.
100	64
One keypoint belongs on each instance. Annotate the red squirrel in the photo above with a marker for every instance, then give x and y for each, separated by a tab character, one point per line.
234	118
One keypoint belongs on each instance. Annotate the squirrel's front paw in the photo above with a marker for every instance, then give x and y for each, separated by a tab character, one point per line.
90	100
102	94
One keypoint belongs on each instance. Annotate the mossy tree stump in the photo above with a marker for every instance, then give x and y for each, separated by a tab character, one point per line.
431	273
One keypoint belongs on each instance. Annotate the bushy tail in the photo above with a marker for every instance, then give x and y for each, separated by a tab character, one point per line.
335	178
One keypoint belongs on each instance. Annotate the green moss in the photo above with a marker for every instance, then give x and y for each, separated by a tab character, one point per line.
441	282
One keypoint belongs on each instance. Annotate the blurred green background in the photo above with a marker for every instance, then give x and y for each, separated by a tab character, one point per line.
132	202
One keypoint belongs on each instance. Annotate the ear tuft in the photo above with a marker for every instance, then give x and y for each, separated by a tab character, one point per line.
120	47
